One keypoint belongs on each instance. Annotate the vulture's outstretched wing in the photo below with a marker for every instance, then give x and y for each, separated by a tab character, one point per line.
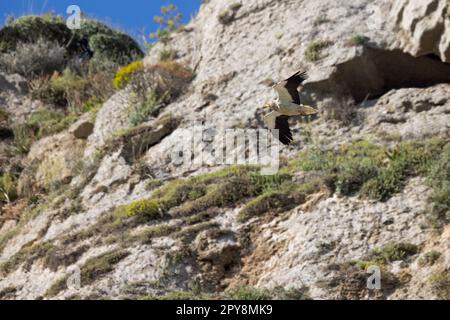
275	120
285	134
287	89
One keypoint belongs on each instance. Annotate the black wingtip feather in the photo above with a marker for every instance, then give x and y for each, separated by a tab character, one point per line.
284	132
301	75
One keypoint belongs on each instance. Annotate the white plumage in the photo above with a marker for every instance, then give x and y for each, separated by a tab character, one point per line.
287	104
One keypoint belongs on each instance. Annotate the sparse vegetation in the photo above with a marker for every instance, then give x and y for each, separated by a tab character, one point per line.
429	258
162	230
438	208
226	17
98	266
8	293
8	187
249	293
240	293
71	91
108	44
169	21
395	251
321	20
358	40
27	255
441	283
141	108
271	201
167	54
378	172
156	86
406	160
33	59
58	286
314	50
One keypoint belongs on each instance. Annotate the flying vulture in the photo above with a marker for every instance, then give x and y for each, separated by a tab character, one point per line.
287	104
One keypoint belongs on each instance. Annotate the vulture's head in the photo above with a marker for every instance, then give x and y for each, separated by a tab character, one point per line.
271	105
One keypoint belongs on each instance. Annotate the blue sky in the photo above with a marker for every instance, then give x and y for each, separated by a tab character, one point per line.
132	16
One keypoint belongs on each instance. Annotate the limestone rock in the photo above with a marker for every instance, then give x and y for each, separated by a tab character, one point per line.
423	27
110	119
51	160
83	128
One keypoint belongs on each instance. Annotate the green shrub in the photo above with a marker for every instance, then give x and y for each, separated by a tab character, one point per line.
439	179
166	79
108	44
395	251
117	47
142	109
58	286
314	50
154	87
98	266
440	282
34	59
148	207
353	174
429	258
358	40
29	28
8	187
4	115
264	203
406	160
379	172
167	54
163	199
39	124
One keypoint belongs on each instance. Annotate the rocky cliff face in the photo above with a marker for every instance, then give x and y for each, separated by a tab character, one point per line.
379	75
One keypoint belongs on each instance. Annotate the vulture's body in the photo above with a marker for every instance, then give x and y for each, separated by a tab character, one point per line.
288	104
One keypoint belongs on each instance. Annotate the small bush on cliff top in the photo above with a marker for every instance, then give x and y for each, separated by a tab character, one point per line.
106	42
29	28
34	59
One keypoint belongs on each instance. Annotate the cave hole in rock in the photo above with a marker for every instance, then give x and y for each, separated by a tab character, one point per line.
376	71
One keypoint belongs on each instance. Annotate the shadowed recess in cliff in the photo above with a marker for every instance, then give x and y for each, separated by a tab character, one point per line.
376	71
